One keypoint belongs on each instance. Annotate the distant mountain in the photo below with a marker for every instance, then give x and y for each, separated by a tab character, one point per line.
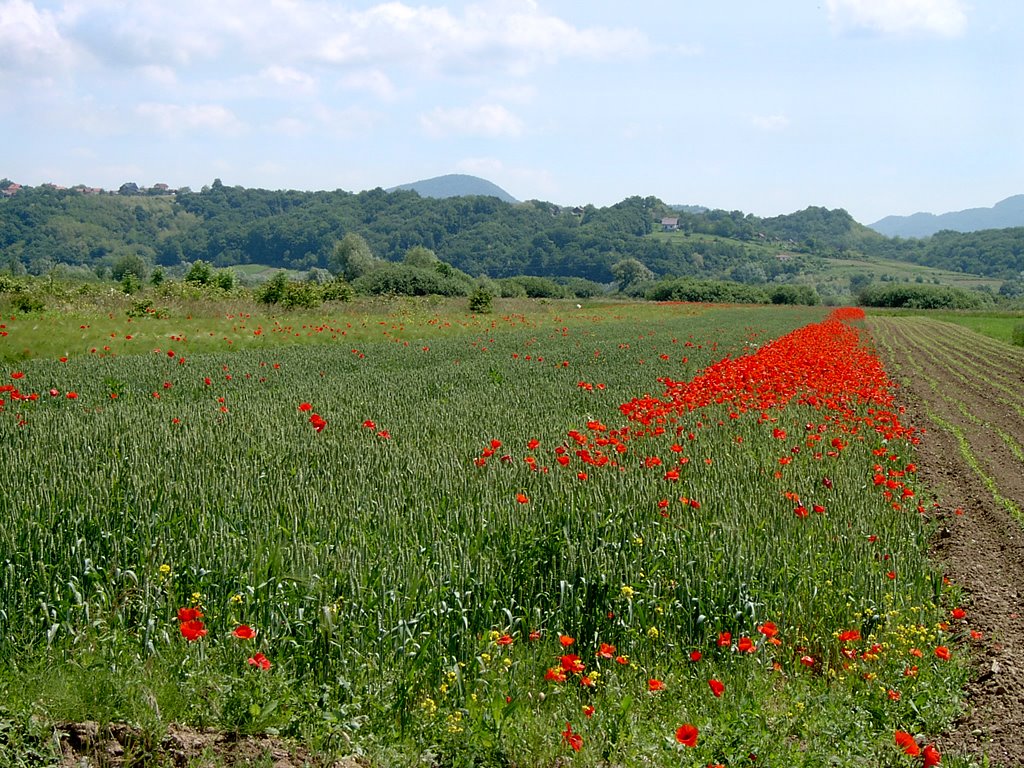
1007	213
457	185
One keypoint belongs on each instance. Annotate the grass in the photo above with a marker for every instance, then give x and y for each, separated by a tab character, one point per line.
384	560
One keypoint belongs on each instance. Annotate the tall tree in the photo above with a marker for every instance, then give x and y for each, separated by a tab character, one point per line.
352	257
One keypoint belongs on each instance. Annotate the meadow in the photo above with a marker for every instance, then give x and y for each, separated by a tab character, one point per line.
558	534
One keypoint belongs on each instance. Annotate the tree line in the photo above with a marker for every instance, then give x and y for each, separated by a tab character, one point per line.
224	226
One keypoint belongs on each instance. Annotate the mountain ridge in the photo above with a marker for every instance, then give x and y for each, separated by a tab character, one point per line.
1004	214
456	185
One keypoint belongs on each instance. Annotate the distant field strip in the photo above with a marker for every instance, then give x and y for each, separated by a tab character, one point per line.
970	387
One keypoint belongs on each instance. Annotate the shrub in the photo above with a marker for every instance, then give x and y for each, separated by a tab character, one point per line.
535	287
274	290
403	280
337	290
481	301
914	296
709	291
27	302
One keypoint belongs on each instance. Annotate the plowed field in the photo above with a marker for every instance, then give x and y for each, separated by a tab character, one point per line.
967	391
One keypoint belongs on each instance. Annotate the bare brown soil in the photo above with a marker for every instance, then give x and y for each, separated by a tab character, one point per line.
86	745
952	379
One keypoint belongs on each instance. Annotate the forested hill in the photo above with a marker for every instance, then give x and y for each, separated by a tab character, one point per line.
456	185
44	226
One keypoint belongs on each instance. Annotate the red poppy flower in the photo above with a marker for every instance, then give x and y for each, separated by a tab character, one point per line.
849	635
522	498
192	630
687	735
724	639
259	660
566	641
623	660
931	756
318	422
189	614
588	710
907	743
305	407
654	685
807	661
893	694
555	675
746	645
18	375
606	651
768	629
942	652
695	655
571	663
244	632
505	640
574	740
959	613
717	687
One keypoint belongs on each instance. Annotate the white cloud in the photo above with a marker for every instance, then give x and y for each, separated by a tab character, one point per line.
292	127
345	123
176	119
944	18
160	74
372	81
517	94
487	120
30	38
507	35
288	78
770	122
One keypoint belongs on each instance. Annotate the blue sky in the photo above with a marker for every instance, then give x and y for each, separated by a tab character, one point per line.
876	106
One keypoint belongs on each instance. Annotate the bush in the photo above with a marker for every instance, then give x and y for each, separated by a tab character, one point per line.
535	287
200	273
403	280
707	291
302	296
481	301
794	294
27	302
10	285
274	290
913	296
337	290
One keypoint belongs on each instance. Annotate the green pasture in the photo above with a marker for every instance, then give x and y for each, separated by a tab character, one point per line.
409	569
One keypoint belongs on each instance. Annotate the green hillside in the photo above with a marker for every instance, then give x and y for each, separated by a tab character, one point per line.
44	228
